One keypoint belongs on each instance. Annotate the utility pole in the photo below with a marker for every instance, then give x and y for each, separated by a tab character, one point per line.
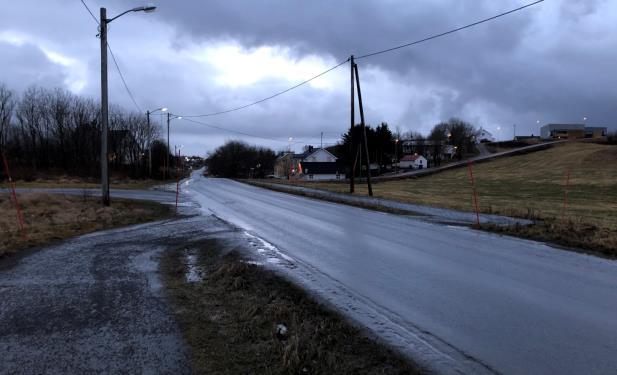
321	142
168	148
514	131
104	118
352	161
149	146
368	160
103	21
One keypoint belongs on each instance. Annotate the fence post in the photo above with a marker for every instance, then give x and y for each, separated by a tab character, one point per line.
475	194
20	216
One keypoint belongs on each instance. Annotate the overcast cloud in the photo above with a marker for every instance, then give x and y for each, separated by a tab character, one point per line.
554	62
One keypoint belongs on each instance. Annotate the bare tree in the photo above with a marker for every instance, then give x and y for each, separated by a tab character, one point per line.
7	105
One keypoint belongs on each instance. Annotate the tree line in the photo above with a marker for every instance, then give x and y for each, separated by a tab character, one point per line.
237	159
386	146
46	130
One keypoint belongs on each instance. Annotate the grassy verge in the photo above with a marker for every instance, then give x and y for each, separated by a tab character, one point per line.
529	186
232	319
570	234
51	217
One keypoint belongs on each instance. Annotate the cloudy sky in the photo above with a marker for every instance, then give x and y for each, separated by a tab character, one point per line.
553	62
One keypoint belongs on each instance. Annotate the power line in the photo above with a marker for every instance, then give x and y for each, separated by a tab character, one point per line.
238	132
128	90
113	57
89	11
271	96
449	31
369	55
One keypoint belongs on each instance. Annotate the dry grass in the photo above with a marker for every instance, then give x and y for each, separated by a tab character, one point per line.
530	185
88	183
51	217
230	320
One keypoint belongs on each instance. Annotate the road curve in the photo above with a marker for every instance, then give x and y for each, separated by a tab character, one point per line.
457	300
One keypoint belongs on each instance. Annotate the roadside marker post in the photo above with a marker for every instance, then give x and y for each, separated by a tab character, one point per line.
475	193
20	216
177	179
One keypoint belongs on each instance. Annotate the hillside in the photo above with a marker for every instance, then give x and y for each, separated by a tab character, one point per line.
530	185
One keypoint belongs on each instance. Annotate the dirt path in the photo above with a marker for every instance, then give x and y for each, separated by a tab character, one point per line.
95	304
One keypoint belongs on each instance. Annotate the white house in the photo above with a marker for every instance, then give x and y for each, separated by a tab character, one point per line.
319	164
413	162
484	135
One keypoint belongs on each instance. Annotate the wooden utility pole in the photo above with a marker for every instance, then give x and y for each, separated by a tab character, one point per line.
104	118
352	162
368	160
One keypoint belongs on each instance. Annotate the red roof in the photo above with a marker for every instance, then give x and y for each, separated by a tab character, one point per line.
411	157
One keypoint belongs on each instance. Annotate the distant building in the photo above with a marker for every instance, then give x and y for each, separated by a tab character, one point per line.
312	164
571	131
413	162
484	135
595	132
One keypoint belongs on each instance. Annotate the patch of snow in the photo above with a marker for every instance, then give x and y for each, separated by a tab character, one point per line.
273	254
193	273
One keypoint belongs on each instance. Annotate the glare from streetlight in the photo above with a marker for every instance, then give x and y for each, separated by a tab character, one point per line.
164	109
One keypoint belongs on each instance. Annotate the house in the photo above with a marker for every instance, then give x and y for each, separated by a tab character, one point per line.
484	135
319	164
316	170
572	131
413	162
562	131
312	164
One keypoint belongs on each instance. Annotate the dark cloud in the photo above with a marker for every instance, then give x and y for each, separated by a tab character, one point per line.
552	62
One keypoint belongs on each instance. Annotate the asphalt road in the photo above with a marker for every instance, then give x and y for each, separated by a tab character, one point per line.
94	304
457	300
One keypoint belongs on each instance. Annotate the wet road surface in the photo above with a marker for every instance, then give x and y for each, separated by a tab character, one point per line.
455	299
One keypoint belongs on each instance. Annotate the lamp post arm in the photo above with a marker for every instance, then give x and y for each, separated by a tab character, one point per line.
138	9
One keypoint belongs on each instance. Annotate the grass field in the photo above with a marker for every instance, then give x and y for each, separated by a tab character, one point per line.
52	217
530	185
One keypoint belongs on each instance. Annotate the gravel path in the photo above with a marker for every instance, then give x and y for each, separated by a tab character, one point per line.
95	303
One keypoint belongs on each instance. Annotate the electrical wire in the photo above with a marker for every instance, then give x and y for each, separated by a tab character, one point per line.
89	11
369	55
113	57
271	96
448	32
128	90
237	132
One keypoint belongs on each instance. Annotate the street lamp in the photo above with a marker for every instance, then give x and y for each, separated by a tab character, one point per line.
396	155
148	113
170	117
104	105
